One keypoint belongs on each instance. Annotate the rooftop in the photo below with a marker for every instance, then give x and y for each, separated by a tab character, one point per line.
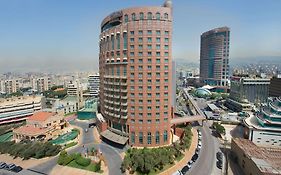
266	159
41	116
30	130
14	101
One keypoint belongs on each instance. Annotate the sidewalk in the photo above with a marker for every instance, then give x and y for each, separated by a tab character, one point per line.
96	135
66	170
187	156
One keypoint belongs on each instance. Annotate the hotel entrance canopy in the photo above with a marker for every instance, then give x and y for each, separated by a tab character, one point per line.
109	135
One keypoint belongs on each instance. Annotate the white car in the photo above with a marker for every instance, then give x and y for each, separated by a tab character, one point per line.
177	173
199	146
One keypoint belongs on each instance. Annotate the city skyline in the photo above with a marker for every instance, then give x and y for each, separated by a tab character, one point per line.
52	34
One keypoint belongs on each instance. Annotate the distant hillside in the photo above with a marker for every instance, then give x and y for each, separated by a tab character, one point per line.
256	60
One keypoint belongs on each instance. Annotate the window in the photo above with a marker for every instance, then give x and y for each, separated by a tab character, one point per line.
149	16
133	17
118	40
125	71
140	54
140	47
149	54
157	121
133	137
140	137
140	40
158	46
166	16
149	121
166	47
158	40
132	39
165	136
158	60
166	32
126	19
132	120
149	39
132	47
158	16
158	32
140	121
149	60
158	54
132	53
140	32
141	15
157	137
149	138
149	32
166	40
132	32
125	38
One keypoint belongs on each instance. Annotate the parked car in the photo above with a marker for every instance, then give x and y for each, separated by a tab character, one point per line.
16	169
199	146
177	173
219	156
190	162
194	157
2	165
200	143
219	164
197	150
185	169
86	130
10	166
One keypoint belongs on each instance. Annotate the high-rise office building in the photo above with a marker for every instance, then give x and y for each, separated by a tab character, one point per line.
135	65
94	84
214	57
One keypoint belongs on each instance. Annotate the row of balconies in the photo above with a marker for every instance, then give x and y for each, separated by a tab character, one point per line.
115	77
119	115
116	83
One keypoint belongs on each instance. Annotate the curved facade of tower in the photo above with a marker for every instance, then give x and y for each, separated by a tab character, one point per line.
214	57
135	64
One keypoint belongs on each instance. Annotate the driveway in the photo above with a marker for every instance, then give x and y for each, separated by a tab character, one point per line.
111	154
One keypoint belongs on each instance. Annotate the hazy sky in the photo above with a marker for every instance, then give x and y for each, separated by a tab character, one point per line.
63	34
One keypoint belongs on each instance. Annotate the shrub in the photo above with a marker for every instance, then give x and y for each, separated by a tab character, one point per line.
83	161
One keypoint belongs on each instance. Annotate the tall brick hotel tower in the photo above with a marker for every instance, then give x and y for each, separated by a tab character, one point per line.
135	65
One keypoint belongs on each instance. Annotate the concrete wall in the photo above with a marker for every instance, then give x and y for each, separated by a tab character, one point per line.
264	138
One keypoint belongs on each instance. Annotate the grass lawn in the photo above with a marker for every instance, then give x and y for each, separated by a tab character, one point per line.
71	113
91	167
71	144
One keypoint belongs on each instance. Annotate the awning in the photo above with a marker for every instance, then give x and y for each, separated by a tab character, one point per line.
109	135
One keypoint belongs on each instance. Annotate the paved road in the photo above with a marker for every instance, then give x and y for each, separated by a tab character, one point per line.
206	163
110	153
